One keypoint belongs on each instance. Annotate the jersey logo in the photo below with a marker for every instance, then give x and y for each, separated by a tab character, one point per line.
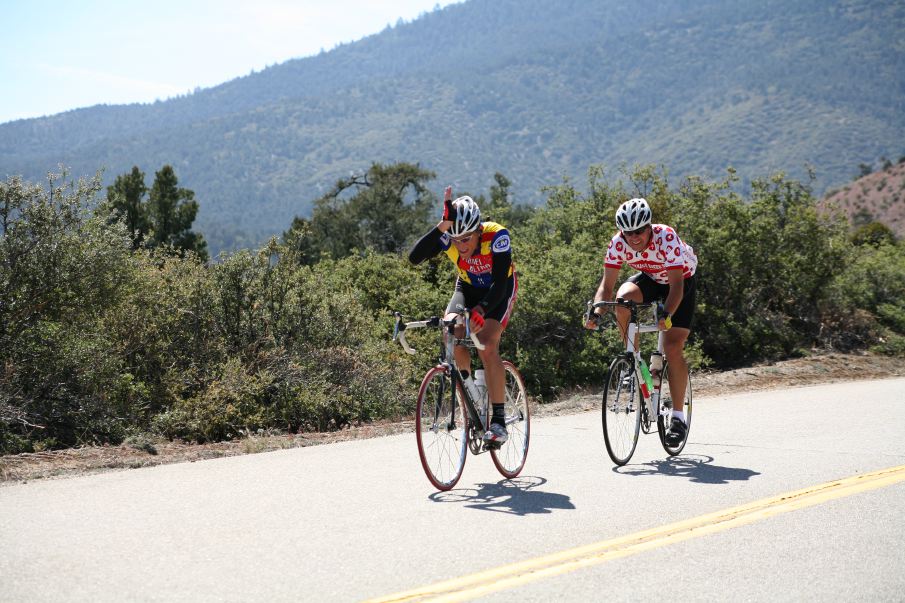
501	244
445	239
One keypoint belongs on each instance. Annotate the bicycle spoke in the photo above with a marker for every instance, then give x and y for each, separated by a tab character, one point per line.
662	427
619	414
510	457
442	448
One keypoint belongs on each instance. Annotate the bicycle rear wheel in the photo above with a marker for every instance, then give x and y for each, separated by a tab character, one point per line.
686	408
620	413
441	426
510	457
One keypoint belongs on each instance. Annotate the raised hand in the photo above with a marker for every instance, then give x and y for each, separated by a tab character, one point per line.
449	212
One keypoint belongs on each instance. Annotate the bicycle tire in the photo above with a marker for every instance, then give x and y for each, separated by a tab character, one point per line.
510	457
621	413
686	408
441	428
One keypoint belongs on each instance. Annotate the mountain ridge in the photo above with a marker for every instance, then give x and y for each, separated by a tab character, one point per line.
536	90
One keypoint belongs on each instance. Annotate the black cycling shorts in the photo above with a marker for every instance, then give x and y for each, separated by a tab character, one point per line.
468	296
654	291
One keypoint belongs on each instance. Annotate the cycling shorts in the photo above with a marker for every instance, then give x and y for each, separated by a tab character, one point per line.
654	291
468	296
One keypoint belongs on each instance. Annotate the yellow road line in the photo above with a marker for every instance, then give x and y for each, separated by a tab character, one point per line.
508	576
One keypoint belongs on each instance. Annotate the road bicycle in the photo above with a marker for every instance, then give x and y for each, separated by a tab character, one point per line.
450	419
633	398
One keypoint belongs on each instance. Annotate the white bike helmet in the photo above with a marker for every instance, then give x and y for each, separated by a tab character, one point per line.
633	214
468	216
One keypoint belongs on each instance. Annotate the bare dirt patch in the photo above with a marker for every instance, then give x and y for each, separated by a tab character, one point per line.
823	368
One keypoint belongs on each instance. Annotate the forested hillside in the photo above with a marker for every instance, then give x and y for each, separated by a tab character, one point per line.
534	89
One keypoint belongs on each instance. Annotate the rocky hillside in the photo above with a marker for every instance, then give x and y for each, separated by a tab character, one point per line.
875	197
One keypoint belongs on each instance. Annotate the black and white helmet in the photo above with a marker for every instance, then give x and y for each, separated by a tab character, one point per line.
468	216
633	214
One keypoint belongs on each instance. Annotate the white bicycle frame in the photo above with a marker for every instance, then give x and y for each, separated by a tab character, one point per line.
652	397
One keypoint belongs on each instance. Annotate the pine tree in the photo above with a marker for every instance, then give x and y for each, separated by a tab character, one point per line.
126	198
171	212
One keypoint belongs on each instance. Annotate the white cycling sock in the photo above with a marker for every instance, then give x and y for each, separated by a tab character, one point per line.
678	414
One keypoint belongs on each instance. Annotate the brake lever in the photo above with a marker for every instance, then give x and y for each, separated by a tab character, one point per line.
468	332
590	315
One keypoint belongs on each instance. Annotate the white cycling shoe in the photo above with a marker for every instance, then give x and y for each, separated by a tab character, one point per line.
497	434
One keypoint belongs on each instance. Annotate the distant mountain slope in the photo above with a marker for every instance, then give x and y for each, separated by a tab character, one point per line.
535	89
879	196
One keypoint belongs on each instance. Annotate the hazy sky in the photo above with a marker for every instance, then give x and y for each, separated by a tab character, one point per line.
57	55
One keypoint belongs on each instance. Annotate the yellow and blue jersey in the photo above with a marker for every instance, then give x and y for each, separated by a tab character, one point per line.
478	269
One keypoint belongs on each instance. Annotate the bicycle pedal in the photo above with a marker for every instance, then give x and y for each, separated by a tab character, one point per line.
492	445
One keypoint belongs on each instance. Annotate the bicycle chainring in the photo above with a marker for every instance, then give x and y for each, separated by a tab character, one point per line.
646	422
475	441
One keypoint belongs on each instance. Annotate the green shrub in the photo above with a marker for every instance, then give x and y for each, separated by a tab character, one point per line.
100	342
61	268
890	344
227	407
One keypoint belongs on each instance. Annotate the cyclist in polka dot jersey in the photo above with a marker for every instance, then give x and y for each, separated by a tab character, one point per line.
664	252
667	268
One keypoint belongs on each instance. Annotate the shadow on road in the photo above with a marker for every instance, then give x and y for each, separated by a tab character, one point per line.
515	496
697	468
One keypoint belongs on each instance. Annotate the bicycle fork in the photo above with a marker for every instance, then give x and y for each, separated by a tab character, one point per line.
450	422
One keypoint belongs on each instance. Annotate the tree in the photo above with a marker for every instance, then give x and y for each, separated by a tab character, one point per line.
382	210
500	208
62	268
164	218
171	212
126	199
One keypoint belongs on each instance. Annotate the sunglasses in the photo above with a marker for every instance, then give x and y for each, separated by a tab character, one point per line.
634	233
462	240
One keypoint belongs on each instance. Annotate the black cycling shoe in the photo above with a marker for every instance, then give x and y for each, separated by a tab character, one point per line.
677	432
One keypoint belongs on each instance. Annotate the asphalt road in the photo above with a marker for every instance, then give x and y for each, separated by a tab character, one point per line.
358	520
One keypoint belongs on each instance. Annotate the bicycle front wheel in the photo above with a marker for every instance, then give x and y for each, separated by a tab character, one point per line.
686	408
620	414
441	428
510	457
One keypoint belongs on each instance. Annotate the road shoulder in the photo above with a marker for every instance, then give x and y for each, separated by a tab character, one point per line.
818	368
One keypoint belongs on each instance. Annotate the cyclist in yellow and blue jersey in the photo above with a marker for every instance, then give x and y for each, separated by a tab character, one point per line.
486	286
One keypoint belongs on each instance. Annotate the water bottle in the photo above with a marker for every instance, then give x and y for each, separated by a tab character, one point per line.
472	388
656	363
479	381
647	384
